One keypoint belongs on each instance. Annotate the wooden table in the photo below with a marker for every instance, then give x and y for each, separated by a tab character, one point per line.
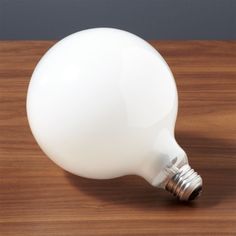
39	198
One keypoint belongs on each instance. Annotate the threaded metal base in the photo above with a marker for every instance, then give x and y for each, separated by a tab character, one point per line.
185	184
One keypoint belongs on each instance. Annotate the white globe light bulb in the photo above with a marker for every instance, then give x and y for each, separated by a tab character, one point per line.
102	103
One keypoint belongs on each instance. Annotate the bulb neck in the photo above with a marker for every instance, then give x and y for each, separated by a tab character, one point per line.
166	153
169	169
183	182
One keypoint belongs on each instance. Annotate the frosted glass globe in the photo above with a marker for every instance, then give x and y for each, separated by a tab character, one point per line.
102	103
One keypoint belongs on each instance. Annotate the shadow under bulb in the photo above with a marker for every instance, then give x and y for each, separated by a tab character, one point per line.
102	103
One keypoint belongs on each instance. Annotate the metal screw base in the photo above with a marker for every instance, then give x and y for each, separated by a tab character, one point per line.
185	184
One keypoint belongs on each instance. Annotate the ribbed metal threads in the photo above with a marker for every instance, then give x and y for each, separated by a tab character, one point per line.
185	184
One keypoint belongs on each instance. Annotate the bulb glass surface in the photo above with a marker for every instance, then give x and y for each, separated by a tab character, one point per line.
102	103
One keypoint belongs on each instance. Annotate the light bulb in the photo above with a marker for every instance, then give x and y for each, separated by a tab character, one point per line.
102	103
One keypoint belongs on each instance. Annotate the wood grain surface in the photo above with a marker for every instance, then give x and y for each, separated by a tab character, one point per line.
39	198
